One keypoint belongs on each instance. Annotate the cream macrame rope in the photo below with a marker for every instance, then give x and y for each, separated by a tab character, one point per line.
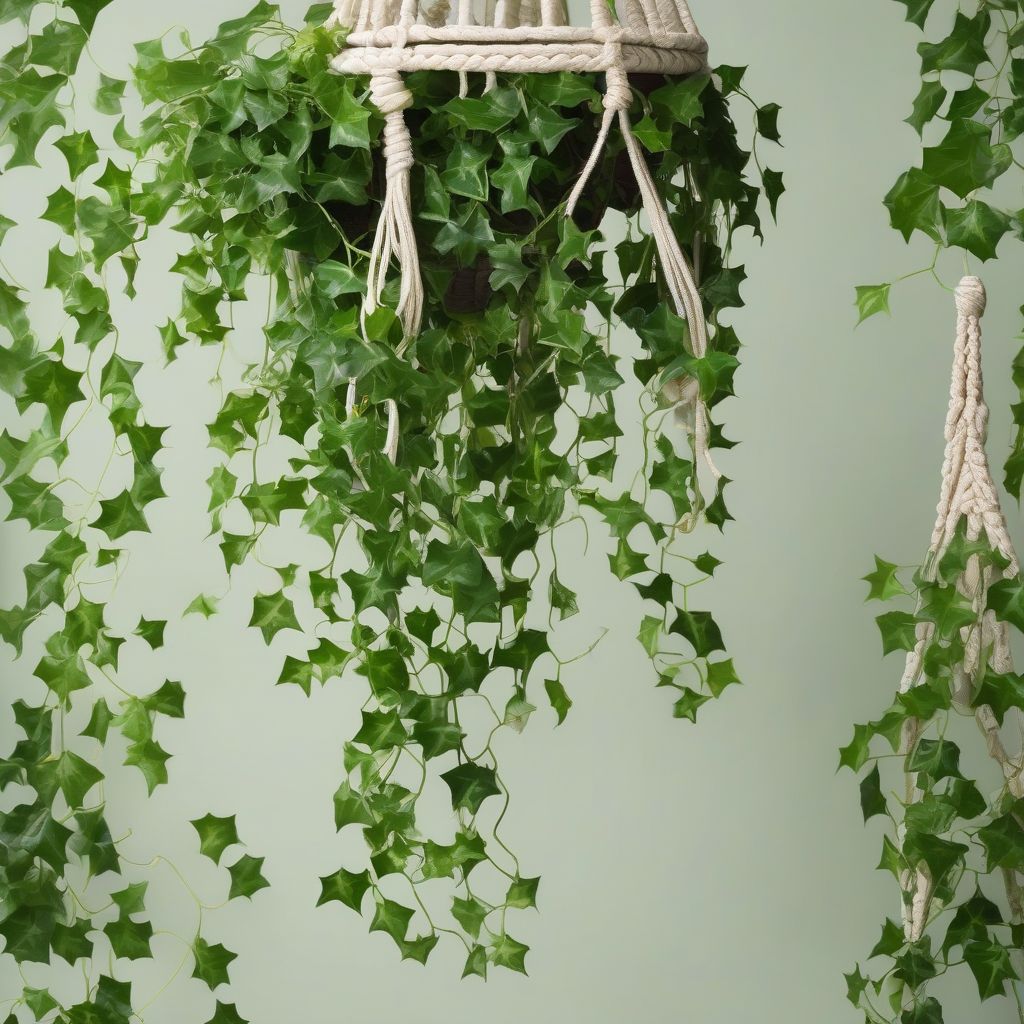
968	495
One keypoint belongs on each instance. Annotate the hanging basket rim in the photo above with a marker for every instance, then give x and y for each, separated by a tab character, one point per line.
461	48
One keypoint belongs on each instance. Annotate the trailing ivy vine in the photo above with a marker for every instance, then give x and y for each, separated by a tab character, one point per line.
69	888
436	590
965	195
956	827
965	836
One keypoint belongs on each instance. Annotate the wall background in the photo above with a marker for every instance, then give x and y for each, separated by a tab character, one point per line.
712	874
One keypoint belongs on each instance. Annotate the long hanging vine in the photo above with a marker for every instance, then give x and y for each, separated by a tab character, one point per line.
70	889
955	843
965	195
435	587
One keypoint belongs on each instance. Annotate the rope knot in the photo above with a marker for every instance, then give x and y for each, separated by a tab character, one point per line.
388	92
970	297
398	155
617	93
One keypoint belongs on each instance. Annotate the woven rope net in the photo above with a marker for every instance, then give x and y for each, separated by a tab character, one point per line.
389	37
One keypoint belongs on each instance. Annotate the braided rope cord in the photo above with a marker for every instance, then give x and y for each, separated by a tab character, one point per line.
968	496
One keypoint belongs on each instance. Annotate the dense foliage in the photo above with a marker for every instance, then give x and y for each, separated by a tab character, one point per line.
949	821
942	814
443	608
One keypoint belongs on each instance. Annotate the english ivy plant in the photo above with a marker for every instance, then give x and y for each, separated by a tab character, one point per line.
964	194
69	891
942	815
436	588
964	837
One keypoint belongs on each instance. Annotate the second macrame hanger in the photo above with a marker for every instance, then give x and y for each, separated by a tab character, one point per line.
968	500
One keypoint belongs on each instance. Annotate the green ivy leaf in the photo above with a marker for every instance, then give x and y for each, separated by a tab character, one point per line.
522	893
856	985
872	299
215	835
1006	599
246	876
131	899
346	887
917	10
965	160
768	122
151	759
392	918
129	939
700	630
119	516
271	613
470	785
962	50
914	205
87	11
939	759
211	962
916	965
899	631
976	227
476	963
883	583
80	151
507	952
927	104
152	631
990	964
928	1011
855	754
226	1013
1000	692
558	698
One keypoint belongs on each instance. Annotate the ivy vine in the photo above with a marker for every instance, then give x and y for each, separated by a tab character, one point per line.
971	108
962	838
436	587
963	835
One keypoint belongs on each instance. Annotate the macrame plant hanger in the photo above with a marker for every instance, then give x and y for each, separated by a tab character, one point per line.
968	501
389	37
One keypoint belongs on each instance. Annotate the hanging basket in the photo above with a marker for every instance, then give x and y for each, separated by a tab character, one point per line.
389	37
649	36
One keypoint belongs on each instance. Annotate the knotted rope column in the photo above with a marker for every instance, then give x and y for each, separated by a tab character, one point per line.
969	496
675	267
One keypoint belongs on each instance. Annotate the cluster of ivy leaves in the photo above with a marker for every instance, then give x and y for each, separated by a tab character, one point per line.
971	108
967	838
68	891
443	608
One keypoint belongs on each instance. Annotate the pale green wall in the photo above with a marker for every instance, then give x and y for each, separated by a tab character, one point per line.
713	875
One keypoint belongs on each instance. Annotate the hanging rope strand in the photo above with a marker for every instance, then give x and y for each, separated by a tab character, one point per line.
395	238
676	269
